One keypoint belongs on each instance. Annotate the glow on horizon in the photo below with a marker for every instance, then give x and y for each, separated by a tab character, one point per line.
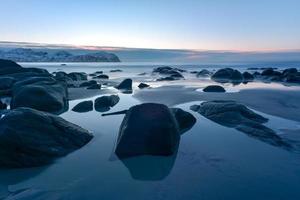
257	25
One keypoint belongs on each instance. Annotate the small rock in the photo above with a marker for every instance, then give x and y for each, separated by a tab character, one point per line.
143	85
214	88
84	106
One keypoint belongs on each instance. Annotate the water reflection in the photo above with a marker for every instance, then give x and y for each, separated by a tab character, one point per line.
150	168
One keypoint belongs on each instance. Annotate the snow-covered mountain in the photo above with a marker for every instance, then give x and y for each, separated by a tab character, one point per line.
30	55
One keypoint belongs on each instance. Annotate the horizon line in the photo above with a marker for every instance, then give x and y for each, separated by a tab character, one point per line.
111	48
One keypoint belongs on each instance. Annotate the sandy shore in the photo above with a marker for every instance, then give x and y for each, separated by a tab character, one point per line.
281	103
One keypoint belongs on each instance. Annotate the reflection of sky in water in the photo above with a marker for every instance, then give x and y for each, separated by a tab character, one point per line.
213	162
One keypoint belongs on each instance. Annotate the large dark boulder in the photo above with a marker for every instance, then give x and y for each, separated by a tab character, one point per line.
235	115
84	106
247	76
267	72
6	83
214	88
170	72
9	67
3	106
148	129
203	73
152	129
227	75
289	71
49	96
30	138
104	103
125	84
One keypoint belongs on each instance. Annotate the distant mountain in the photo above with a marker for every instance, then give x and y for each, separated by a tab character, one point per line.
30	55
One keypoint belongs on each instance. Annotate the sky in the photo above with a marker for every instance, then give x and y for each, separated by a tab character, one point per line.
239	25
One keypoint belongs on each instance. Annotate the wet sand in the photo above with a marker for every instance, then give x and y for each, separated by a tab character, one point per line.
280	103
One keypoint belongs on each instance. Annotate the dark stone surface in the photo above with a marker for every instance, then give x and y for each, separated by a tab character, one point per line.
214	88
101	76
203	73
115	70
78	76
30	138
104	103
6	83
185	120
248	77
3	106
84	106
49	96
125	84
235	115
148	129
227	75
143	85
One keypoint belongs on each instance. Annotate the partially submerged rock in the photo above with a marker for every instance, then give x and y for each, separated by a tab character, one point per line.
235	115
248	77
30	138
125	84
84	106
101	76
214	88
115	70
203	73
143	85
152	129
227	75
41	95
104	103
171	73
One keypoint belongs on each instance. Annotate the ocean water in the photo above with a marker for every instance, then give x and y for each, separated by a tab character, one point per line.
212	162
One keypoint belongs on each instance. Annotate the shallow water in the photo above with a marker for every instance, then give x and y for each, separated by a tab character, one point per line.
212	162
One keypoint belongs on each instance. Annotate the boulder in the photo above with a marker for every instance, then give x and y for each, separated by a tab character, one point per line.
9	67
152	129
185	120
148	129
49	96
171	72
6	83
84	106
267	72
214	88
203	73
143	85
125	84
101	76
235	115
289	71
247	76
30	138
227	75
104	103
115	70
78	76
